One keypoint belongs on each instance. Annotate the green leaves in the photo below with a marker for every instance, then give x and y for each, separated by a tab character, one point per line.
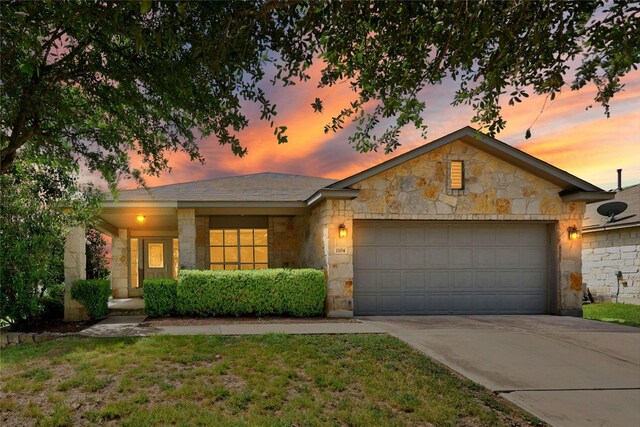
88	83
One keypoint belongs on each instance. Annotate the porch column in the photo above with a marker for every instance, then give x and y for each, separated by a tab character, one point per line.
75	268
120	264
338	252
187	238
569	271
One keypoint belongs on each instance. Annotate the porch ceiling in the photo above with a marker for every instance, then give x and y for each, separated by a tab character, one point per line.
155	218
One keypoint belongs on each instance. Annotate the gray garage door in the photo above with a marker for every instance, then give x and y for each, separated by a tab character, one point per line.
418	267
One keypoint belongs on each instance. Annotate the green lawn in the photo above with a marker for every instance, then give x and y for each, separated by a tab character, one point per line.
625	314
272	380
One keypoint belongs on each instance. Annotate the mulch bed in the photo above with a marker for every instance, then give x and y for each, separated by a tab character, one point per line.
55	325
189	321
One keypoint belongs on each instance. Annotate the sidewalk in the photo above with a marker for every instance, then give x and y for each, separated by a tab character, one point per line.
134	326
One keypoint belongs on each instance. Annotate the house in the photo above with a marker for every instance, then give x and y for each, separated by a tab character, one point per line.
611	245
463	224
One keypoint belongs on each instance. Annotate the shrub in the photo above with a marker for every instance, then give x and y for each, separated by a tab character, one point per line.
52	302
299	292
159	297
93	294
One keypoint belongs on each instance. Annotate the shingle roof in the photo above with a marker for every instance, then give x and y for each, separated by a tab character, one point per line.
629	195
250	188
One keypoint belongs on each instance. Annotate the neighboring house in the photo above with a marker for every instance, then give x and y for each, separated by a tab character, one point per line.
464	224
609	247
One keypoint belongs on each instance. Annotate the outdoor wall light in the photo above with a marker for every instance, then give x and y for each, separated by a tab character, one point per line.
573	233
342	231
141	218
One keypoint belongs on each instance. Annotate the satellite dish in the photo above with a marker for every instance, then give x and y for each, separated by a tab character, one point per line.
612	209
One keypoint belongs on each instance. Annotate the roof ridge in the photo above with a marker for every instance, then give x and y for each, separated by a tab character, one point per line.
226	177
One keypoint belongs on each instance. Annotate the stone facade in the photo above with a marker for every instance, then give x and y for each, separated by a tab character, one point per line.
202	243
606	252
283	244
418	189
75	268
120	265
187	238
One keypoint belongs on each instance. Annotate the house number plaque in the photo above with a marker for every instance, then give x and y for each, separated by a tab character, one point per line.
341	250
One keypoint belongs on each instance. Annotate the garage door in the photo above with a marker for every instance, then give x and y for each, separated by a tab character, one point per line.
414	267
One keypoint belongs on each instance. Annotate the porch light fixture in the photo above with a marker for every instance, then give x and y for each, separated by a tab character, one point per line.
342	231
573	233
141	218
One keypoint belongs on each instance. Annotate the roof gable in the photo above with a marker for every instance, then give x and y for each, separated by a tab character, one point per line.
569	183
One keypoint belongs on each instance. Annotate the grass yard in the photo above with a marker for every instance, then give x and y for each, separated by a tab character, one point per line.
625	314
271	380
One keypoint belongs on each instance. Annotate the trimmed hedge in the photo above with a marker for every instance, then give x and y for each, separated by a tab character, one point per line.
159	297
297	292
93	294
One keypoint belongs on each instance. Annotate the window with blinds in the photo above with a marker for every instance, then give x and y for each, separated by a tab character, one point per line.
456	175
238	248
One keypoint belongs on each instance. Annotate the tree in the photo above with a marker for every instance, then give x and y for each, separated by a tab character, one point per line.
96	250
93	82
38	206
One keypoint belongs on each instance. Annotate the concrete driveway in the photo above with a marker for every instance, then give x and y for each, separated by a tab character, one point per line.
564	370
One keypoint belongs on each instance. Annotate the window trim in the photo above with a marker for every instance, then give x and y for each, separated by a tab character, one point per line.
239	264
451	163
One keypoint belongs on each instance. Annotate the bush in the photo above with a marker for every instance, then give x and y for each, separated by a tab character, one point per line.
299	292
53	302
159	297
93	294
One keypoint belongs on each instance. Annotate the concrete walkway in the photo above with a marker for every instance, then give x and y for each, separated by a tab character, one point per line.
134	326
564	370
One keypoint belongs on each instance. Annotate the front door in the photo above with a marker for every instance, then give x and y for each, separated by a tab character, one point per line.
157	258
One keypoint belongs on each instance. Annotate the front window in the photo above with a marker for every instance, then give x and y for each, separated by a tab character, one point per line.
238	248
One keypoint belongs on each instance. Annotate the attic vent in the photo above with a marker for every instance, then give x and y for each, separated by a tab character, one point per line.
456	173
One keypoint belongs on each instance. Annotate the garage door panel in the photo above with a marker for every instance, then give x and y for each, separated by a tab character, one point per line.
413	257
388	257
368	304
364	235
462	281
413	236
413	281
484	257
388	236
438	280
390	304
438	303
461	257
508	257
437	235
389	281
487	280
413	303
533	257
450	268
484	236
436	257
367	282
365	258
461	235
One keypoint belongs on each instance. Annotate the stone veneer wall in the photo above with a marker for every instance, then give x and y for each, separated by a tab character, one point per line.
187	238
606	252
202	243
418	190
283	242
75	268
325	249
120	265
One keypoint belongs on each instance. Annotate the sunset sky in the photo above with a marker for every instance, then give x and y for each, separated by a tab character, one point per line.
582	142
